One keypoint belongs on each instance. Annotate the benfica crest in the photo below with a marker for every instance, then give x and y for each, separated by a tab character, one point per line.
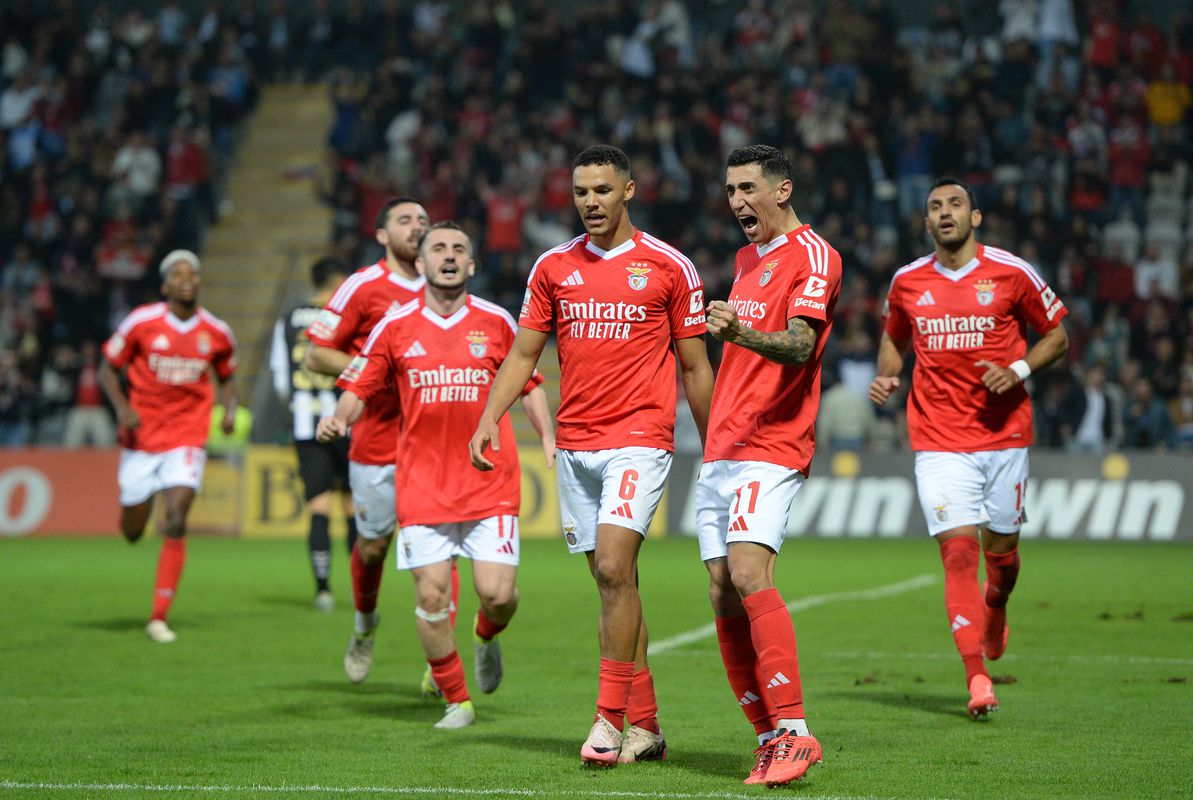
638	275
204	343
767	272
985	292
478	343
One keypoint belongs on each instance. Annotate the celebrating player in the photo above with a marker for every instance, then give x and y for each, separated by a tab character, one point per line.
167	351
309	395
761	438
336	337
620	300
442	352
965	309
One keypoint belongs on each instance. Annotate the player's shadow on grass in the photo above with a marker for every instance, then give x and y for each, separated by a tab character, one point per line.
949	705
717	764
283	601
378	699
112	624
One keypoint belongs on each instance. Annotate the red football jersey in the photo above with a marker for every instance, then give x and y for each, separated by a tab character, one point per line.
344	324
616	314
763	410
443	368
954	319
169	382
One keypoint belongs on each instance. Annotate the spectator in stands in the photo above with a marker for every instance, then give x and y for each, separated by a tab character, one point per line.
1092	414
1145	419
1181	412
1156	275
89	422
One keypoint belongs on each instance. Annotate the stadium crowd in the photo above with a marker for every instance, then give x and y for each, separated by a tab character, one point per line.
1069	120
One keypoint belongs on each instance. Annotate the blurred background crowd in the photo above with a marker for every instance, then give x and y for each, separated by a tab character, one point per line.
1070	121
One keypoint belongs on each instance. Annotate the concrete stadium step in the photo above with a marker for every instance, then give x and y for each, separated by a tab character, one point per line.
277	225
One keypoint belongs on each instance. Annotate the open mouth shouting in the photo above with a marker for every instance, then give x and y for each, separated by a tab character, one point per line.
749	224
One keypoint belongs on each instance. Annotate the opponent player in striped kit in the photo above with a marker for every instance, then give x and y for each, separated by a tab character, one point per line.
965	309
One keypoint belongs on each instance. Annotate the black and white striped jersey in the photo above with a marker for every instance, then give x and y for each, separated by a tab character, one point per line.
309	395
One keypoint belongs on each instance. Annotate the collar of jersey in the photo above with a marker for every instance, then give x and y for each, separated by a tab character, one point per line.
413	285
605	255
182	326
776	243
960	272
445	322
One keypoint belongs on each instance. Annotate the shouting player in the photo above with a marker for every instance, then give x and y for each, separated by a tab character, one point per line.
167	351
309	395
623	303
336	337
442	352
965	309
761	438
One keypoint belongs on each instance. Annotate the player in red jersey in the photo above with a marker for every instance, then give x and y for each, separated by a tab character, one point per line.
623	304
761	437
965	309
442	352
336	337
167	352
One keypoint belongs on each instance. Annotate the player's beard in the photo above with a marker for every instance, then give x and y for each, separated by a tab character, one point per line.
956	238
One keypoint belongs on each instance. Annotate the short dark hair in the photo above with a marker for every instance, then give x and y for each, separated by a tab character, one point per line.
324	268
601	154
445	225
774	162
383	214
949	180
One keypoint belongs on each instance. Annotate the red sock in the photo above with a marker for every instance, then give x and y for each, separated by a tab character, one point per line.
614	684
366	582
449	677
169	570
451	608
1002	570
741	667
963	601
643	708
487	628
773	634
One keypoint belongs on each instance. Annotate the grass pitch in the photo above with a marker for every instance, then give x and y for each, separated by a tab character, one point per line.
252	700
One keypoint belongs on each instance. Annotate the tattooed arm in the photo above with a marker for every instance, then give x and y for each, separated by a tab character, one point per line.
792	346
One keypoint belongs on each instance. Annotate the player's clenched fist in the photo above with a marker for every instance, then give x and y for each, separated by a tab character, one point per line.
881	389
998	379
721	321
330	429
487	435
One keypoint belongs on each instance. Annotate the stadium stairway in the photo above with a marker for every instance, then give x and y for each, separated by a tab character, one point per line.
255	260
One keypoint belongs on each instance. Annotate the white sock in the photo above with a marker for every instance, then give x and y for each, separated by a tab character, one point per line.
366	622
797	726
763	738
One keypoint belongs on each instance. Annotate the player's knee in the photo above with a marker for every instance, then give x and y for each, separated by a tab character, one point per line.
612	574
749	577
373	551
724	599
432	613
432	602
960	554
175	523
498	598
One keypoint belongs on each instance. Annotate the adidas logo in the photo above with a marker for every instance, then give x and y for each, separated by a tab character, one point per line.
507	548
747	698
416	349
925	300
739	524
778	680
960	622
161	342
801	754
575	279
623	511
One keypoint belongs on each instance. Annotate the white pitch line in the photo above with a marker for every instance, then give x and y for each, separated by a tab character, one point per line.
949	656
400	791
812	601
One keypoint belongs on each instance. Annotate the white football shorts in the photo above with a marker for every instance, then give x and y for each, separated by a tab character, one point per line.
491	539
142	474
375	498
743	501
986	487
621	486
